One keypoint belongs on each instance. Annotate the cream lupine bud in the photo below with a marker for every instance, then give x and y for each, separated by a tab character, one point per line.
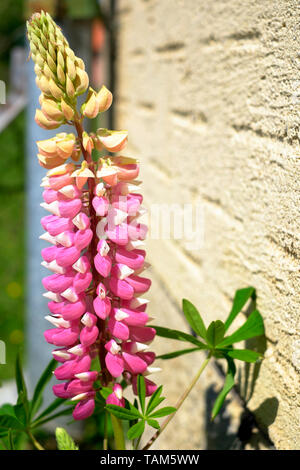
97	102
54	152
104	99
113	141
60	74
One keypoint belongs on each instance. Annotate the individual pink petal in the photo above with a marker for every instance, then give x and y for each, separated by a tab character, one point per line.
83	238
102	307
134	363
121	288
59	225
84	409
50	195
62	336
73	310
142	334
116	397
69	208
56	307
150	386
82	281
100	204
114	364
118	234
103	264
139	284
58	282
118	329
60	390
47	219
81	221
133	259
76	386
67	256
88	335
58	182
49	253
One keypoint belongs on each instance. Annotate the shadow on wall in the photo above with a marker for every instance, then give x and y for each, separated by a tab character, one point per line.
222	434
219	433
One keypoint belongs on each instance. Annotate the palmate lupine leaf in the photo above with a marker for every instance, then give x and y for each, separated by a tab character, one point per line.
253	326
240	299
44	379
194	318
228	385
215	333
218	345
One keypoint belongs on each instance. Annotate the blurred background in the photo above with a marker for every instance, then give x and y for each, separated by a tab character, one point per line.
209	92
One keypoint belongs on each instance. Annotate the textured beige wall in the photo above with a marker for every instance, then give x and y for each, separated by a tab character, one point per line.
209	91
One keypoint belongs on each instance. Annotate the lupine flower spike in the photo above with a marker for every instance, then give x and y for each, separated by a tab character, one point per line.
96	253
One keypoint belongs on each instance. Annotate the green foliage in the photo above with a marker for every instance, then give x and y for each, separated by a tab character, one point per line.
216	343
64	440
12	238
137	415
21	417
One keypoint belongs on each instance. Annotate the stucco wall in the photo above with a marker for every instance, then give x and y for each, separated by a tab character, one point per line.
210	94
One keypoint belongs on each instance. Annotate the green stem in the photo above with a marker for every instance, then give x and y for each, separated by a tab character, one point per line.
178	404
137	443
105	446
118	433
36	444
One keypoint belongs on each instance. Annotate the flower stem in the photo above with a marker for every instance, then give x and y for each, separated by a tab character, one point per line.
118	433
36	444
178	404
105	443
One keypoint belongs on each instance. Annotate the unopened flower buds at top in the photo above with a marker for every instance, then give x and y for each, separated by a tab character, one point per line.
60	74
96	255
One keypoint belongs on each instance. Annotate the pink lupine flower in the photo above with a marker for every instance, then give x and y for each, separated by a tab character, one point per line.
95	254
116	398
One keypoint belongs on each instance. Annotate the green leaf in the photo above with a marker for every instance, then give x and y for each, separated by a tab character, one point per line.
53	406
253	326
167	410
179	335
244	355
194	318
136	430
9	422
153	423
44	379
7	409
66	411
105	391
21	386
229	383
240	299
155	400
123	413
64	440
20	382
141	389
10	440
215	333
20	413
180	352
